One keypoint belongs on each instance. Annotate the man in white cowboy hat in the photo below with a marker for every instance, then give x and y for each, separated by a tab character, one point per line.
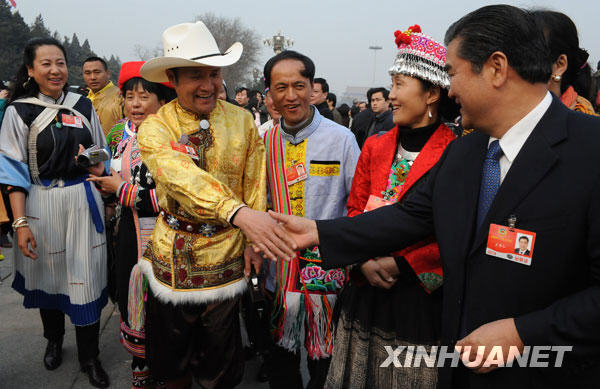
208	163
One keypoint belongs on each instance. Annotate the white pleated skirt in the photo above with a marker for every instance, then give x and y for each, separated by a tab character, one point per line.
70	271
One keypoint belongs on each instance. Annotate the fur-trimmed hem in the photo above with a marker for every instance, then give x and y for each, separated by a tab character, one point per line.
176	297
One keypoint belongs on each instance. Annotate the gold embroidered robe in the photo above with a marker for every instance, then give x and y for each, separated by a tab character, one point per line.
108	104
188	267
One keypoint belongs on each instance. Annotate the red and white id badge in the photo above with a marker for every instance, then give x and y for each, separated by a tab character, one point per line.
71	121
511	244
375	202
189	150
295	173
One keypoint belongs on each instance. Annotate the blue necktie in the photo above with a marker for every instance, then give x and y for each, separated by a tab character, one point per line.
490	181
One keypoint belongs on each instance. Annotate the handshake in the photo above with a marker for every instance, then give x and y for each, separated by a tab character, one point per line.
275	235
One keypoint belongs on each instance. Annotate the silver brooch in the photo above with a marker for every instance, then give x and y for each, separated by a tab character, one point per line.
172	222
207	230
204	124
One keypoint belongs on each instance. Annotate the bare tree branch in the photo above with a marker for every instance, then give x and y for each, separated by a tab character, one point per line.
227	31
144	53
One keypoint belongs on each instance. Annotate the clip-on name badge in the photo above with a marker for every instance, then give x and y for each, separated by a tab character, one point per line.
295	173
189	150
71	121
511	244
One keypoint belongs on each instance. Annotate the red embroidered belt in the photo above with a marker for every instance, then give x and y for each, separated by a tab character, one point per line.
183	225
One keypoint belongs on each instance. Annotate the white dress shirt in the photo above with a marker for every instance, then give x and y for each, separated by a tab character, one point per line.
514	139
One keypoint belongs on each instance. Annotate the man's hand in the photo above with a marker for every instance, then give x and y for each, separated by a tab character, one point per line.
303	231
502	333
108	184
251	258
265	234
24	239
377	275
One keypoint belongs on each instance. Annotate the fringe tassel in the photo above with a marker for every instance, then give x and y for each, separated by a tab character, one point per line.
278	314
138	287
292	310
293	318
318	341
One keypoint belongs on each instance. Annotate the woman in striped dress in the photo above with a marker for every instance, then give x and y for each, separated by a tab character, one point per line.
137	204
60	258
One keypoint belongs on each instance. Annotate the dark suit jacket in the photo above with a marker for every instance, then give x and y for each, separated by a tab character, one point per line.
361	124
553	188
526	251
324	110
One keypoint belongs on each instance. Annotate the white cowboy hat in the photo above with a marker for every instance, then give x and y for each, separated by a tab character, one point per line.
188	44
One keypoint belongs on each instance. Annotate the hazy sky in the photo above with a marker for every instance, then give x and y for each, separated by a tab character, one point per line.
335	34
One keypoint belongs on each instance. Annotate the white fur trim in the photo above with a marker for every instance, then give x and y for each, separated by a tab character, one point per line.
176	297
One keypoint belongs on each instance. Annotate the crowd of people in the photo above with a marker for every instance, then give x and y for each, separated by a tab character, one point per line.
346	231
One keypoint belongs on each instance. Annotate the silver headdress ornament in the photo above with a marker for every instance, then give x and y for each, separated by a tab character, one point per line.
420	56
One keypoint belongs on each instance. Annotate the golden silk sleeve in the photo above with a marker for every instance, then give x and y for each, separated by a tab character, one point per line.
118	108
255	174
177	176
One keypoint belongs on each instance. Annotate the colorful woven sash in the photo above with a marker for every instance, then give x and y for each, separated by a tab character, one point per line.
131	158
138	284
278	189
305	292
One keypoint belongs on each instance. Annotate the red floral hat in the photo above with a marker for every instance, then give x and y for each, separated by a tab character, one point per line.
420	56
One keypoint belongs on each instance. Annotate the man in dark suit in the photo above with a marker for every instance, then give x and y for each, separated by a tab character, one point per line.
319	97
523	243
531	159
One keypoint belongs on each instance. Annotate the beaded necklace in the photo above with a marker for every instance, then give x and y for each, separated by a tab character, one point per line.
398	172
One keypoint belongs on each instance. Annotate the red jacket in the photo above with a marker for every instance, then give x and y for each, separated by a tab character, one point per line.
371	178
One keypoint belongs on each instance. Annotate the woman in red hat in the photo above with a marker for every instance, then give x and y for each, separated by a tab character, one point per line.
396	300
136	207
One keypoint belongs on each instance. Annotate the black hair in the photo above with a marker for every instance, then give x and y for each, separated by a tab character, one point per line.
307	72
253	101
524	237
372	91
23	85
561	37
332	97
94	59
343	109
510	30
355	110
241	89
323	83
161	91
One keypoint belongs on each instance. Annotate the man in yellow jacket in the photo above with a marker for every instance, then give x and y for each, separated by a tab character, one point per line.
105	96
209	166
